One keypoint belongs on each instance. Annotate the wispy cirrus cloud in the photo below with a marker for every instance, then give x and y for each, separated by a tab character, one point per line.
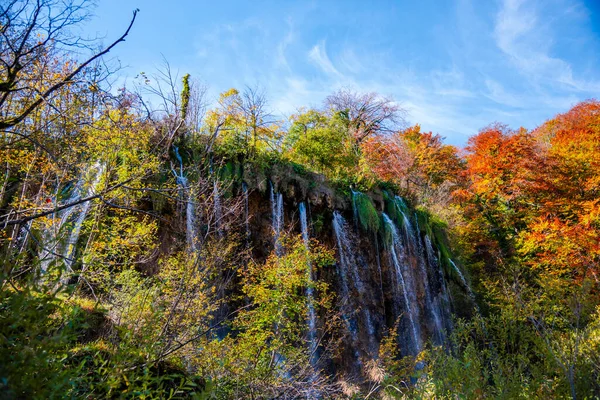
318	55
283	45
526	41
490	62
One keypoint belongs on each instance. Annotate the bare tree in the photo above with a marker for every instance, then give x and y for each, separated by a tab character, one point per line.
254	109
368	113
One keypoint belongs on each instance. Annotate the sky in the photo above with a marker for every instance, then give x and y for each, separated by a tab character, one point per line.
453	66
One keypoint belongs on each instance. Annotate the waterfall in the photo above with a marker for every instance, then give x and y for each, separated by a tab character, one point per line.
50	236
190	209
312	317
412	236
190	224
84	208
76	214
276	218
354	207
464	282
407	227
443	301
218	211
408	291
347	260
348	269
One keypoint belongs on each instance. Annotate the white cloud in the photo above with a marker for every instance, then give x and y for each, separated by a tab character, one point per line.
527	44
282	46
318	55
497	93
351	61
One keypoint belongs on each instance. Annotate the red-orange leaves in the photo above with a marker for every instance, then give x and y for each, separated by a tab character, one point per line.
387	157
502	163
411	158
537	194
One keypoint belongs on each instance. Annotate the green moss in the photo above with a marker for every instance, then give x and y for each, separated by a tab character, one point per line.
395	207
366	212
441	243
318	222
185	96
299	169
436	229
390	205
423	221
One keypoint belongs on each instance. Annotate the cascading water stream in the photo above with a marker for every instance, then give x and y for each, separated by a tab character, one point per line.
50	236
190	210
276	218
444	300
465	283
312	317
50	240
84	208
412	236
408	292
349	270
354	207
277	225
347	258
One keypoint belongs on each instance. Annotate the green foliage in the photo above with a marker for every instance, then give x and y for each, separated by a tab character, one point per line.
318	223
185	96
50	349
32	345
502	357
321	143
268	348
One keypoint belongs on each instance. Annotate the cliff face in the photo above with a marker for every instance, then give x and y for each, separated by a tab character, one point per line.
390	275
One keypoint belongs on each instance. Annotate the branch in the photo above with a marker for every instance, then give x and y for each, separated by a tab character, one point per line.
14	121
63	207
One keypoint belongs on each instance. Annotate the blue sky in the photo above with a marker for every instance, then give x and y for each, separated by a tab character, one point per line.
454	66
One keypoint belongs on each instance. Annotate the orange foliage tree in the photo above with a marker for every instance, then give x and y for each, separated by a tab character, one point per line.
531	208
418	162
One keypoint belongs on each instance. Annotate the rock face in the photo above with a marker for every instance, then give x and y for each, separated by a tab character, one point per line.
391	277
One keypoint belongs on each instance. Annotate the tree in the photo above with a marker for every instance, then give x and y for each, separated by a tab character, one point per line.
387	157
531	212
321	142
243	123
32	31
368	113
417	162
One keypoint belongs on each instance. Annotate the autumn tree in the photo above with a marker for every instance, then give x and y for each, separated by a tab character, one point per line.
387	157
31	32
418	163
530	206
243	124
